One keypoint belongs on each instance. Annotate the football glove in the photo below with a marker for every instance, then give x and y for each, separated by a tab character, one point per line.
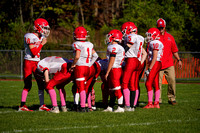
147	72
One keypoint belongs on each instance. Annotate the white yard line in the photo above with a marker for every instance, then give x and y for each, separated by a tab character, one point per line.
97	126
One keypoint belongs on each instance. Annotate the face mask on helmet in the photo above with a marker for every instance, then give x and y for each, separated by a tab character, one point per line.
80	33
42	26
127	28
152	34
113	35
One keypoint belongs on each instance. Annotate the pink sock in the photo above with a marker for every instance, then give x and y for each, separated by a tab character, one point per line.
82	98
52	94
24	95
136	97
62	97
157	95
89	100
150	96
126	93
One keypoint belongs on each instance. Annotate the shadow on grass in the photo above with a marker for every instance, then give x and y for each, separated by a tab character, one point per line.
70	105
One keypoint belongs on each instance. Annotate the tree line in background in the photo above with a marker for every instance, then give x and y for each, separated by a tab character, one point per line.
98	17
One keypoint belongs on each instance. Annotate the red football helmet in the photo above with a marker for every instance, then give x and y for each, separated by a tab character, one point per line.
80	33
152	34
42	26
114	35
128	27
161	23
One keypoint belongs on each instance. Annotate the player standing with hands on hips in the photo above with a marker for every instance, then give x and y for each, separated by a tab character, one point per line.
33	43
170	50
84	57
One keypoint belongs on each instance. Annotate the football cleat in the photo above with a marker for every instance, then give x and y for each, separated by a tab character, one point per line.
64	109
109	109
172	102
156	105
44	108
133	109
119	110
94	107
55	109
24	108
127	108
83	109
148	106
89	109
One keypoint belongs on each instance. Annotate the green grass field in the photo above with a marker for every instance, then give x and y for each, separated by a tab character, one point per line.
184	117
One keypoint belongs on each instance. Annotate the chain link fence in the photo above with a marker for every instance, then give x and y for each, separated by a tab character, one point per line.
11	65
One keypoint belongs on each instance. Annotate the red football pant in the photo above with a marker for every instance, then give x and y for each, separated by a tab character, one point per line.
95	70
60	79
129	75
114	81
81	73
153	78
29	68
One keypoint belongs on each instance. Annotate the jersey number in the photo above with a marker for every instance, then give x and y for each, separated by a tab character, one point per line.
140	50
88	52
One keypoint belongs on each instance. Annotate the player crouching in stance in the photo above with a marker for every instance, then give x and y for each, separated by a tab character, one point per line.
155	53
59	67
115	55
33	43
84	57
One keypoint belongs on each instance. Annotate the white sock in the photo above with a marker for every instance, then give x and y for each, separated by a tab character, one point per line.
76	98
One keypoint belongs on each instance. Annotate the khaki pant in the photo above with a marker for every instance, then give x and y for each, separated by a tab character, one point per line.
170	77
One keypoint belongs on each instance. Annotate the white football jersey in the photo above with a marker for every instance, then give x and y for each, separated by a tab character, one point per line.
137	43
155	45
103	64
31	38
120	54
86	52
52	63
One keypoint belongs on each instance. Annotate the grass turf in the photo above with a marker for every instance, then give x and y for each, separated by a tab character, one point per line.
183	117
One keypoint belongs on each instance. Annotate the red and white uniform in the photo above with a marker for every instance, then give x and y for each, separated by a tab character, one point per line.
32	39
58	66
118	50
116	71
31	58
133	58
155	45
82	69
53	64
135	50
86	52
153	77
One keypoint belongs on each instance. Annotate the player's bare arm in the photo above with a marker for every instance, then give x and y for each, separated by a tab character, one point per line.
111	62
76	58
144	55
